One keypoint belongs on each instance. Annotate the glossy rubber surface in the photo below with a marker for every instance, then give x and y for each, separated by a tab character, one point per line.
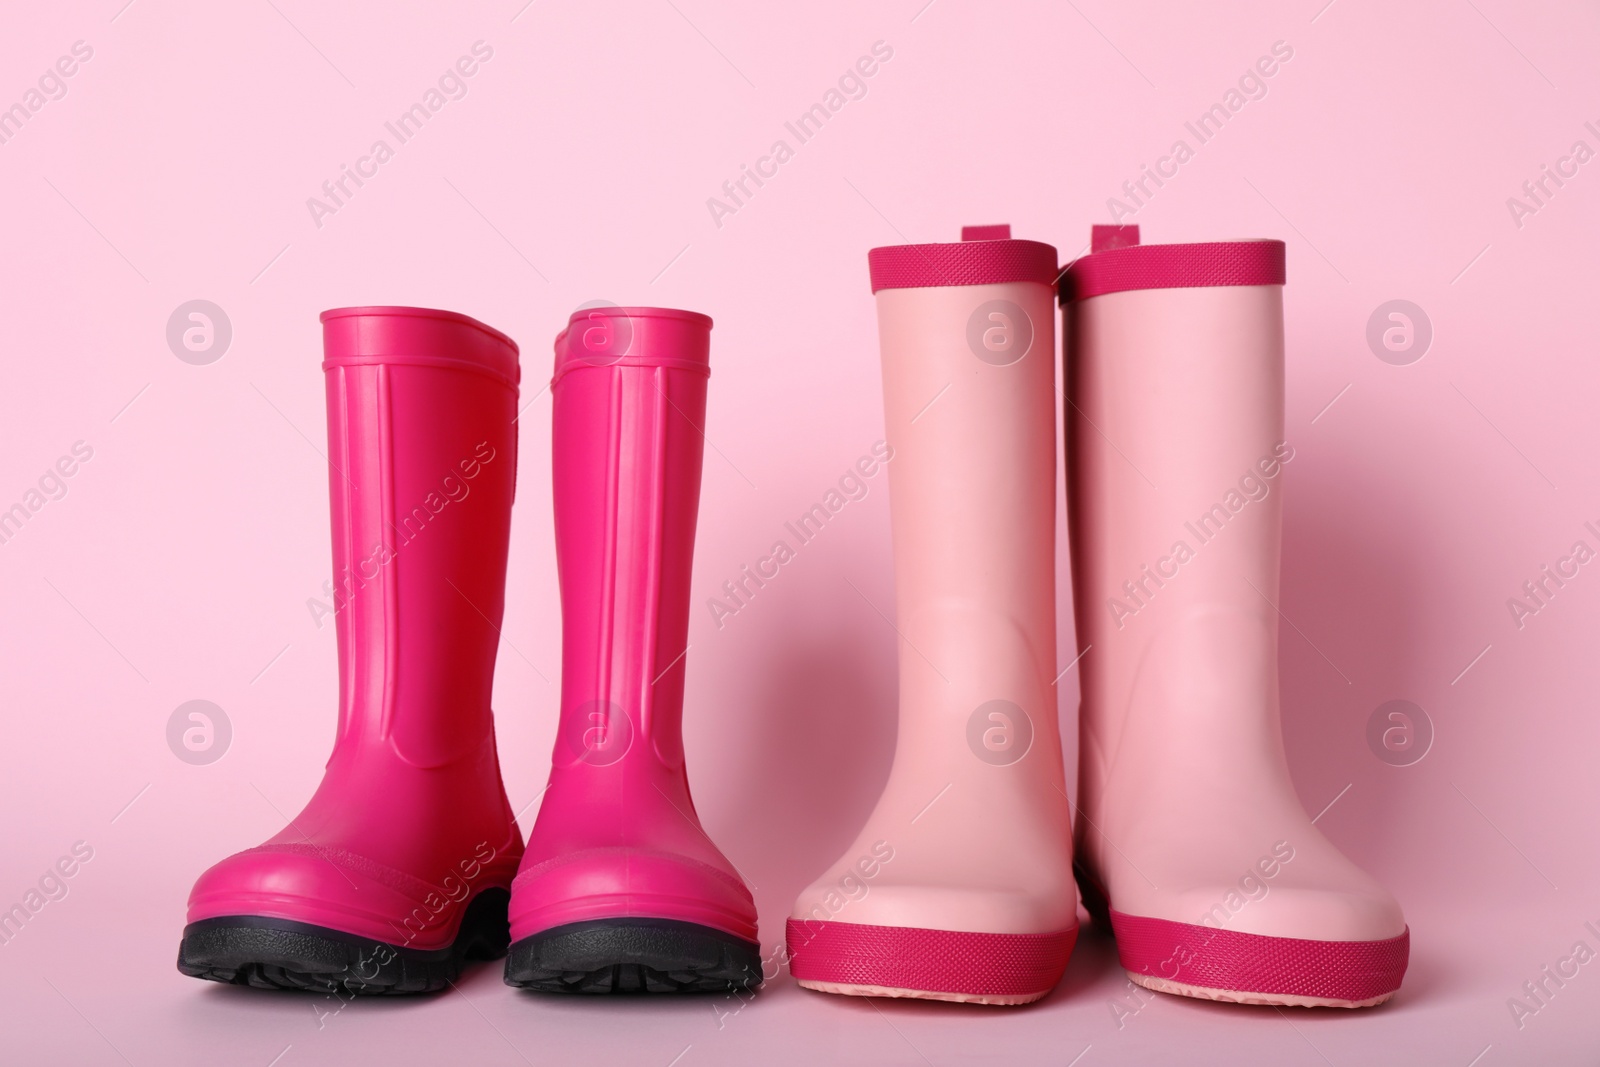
617	836
410	821
971	834
1189	815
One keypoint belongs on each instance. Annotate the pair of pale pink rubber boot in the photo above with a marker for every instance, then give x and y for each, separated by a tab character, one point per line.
1190	842
404	863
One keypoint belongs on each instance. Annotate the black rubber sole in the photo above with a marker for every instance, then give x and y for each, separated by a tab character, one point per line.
633	956
253	950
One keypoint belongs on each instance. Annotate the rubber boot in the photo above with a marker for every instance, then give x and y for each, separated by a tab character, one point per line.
959	887
621	890
1192	843
399	867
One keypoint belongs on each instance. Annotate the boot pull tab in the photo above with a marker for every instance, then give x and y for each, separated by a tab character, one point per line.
1105	238
986	233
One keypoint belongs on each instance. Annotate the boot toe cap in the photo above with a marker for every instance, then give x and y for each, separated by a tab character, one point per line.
628	882
324	887
995	910
1318	914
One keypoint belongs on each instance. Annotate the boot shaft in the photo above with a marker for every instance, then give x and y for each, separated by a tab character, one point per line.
422	470
617	842
629	397
968	848
408	844
967	336
1175	441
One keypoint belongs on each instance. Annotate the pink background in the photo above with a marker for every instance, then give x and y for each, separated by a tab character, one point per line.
179	563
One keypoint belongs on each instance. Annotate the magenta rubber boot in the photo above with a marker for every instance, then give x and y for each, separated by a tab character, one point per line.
399	867
1192	843
959	886
620	889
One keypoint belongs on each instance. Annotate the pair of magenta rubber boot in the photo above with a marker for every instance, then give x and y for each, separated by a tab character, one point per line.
408	860
1191	844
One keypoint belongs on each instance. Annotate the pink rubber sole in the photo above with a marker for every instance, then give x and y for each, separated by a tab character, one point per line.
901	961
1201	961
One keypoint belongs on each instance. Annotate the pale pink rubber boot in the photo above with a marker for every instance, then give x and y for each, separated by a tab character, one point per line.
1191	834
960	886
620	889
399	866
